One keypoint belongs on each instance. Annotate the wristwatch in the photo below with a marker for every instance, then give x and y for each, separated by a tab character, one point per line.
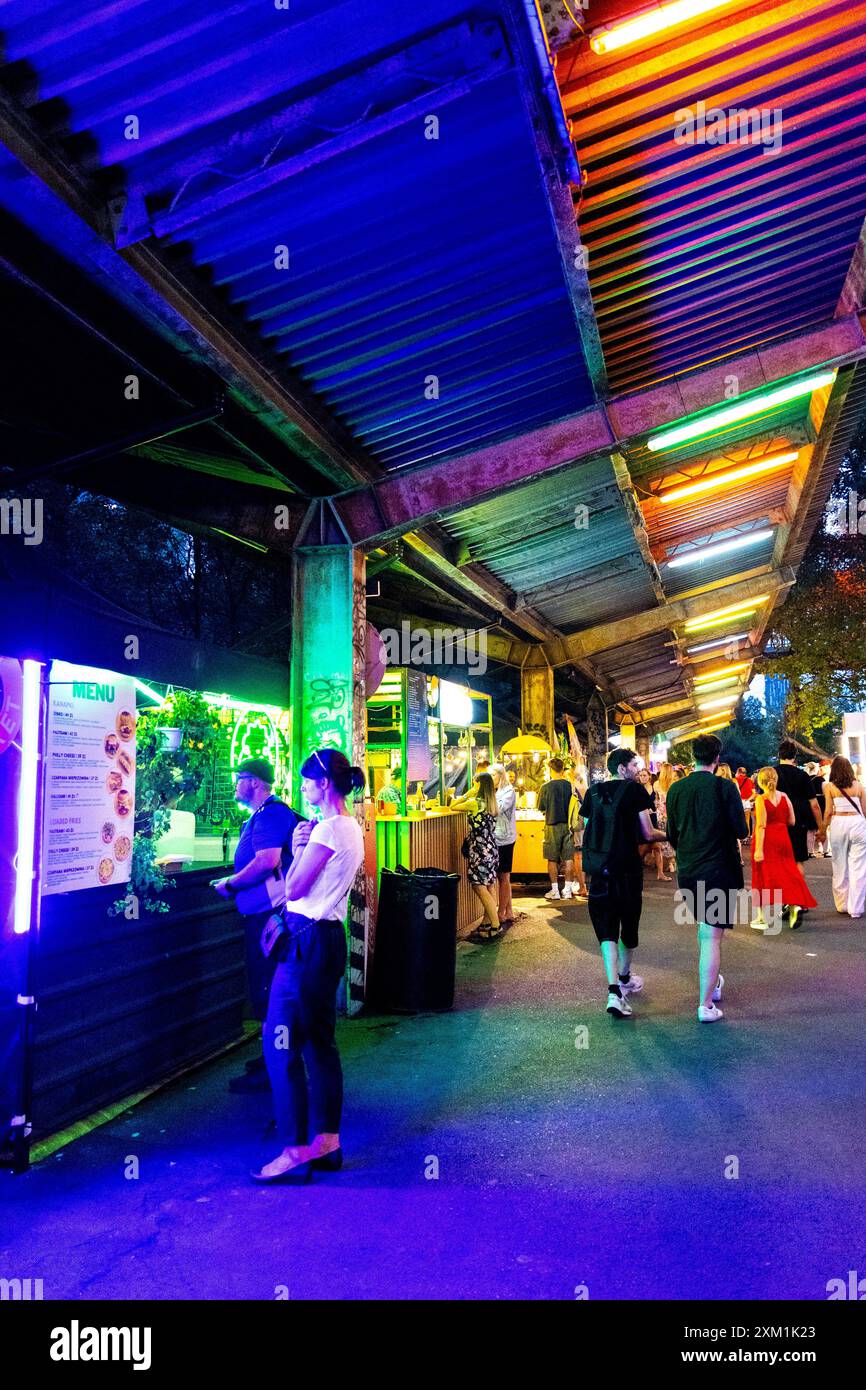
230	888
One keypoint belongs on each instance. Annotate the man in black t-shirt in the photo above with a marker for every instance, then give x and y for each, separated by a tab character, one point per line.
618	816
797	786
705	822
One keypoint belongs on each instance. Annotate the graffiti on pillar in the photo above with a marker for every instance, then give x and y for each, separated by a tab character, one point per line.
359	661
326	712
360	897
596	738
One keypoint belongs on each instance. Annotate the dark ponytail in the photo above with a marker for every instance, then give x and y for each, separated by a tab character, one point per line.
329	762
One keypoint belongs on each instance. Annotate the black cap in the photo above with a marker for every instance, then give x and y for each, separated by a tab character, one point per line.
257	767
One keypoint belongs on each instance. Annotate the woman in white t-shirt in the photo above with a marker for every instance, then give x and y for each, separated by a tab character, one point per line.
298	1036
506	838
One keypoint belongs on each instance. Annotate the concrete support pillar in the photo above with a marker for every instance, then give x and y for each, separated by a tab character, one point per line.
596	737
642	743
536	697
328	685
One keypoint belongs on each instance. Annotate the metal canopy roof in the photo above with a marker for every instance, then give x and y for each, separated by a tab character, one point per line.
423	301
699	248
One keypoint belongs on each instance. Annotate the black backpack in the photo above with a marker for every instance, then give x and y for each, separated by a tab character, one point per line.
602	836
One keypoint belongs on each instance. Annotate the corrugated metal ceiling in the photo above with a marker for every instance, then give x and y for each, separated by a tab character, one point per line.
697	250
644	670
575	568
425	300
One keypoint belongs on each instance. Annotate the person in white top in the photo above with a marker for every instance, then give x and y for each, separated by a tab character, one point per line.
845	821
506	837
299	1032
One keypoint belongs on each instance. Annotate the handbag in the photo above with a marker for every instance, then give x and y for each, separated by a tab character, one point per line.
280	930
262	897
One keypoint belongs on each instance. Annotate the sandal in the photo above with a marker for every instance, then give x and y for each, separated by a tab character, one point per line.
484	934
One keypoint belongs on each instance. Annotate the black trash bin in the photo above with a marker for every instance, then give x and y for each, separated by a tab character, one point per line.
416	941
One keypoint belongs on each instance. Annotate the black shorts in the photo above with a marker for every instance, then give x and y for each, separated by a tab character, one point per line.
714	900
506	858
615	903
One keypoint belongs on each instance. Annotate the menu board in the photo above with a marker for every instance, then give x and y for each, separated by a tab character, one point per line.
89	779
419	763
11	698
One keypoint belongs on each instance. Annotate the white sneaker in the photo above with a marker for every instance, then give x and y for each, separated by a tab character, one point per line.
617	1007
717	992
567	891
708	1013
758	925
633	985
554	893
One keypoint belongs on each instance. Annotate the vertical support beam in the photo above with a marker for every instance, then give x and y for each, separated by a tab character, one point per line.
536	696
596	737
328	684
642	743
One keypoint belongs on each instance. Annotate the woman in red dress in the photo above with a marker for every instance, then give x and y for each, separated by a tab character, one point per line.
776	876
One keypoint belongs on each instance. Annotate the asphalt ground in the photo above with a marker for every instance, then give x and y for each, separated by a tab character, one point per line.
523	1146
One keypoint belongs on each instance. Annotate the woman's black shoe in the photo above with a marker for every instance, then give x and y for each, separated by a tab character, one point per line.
293	1177
329	1163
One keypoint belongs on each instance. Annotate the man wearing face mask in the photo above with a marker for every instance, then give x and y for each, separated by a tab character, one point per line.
262	858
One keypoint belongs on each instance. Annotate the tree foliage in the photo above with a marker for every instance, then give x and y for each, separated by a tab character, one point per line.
751	740
820	632
202	587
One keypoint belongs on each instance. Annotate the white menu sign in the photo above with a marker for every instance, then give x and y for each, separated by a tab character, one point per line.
89	779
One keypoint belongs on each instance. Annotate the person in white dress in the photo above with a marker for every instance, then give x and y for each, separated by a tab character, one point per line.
845	822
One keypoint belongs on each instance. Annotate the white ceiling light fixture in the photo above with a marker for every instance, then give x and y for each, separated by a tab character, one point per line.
712	552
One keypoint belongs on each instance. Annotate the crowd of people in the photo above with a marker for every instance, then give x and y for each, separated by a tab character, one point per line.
292	877
699	822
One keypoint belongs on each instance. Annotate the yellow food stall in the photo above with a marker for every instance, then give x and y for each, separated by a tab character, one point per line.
527	756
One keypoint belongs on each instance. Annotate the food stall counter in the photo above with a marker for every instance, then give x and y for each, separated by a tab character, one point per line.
429	839
528	852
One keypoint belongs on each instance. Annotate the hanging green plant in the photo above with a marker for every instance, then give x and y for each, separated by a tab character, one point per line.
162	776
147	881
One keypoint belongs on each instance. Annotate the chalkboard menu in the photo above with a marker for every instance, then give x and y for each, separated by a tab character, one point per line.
419	764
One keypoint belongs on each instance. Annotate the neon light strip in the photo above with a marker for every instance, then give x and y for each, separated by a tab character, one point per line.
721	479
151	694
720	703
741	410
738	610
710	552
715	685
27	791
654	21
218	701
722	671
717	642
719	620
229	702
